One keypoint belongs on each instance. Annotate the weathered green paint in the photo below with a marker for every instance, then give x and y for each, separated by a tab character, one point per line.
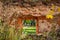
29	30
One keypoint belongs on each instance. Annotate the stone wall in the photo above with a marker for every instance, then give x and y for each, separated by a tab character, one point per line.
12	12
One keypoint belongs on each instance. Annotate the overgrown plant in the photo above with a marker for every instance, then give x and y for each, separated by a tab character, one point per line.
9	33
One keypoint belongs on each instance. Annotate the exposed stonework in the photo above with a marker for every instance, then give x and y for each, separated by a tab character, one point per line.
11	13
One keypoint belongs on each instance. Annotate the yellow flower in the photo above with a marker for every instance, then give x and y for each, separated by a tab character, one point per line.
58	9
49	16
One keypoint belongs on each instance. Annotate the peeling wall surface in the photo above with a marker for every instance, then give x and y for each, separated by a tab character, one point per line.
44	25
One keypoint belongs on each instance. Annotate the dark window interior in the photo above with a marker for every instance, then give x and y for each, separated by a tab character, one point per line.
29	22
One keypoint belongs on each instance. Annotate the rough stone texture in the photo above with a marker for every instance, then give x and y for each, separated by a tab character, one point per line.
33	11
44	26
12	12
